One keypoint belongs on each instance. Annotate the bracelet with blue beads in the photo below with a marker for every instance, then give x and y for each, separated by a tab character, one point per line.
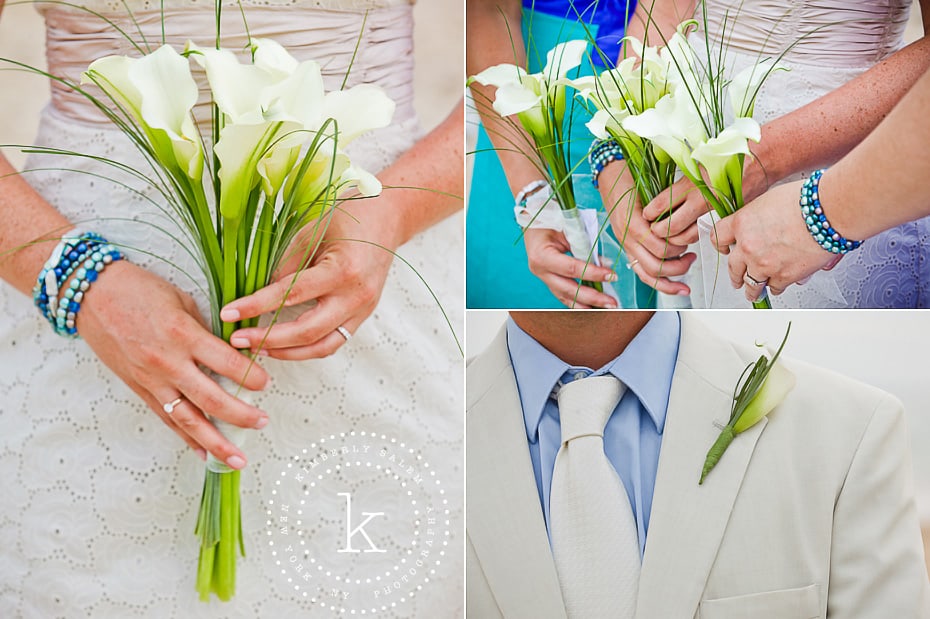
72	250
84	255
602	152
817	223
84	276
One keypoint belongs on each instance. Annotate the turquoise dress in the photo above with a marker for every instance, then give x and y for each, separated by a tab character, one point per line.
497	275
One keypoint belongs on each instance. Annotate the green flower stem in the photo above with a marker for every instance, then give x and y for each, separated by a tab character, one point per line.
762	304
716	451
230	270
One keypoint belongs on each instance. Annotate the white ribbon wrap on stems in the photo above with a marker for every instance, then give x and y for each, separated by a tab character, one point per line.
234	434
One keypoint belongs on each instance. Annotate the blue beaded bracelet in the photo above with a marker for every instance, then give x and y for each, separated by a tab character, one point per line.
817	224
85	275
602	152
71	251
83	254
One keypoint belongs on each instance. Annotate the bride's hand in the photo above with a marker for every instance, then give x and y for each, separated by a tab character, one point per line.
348	271
151	335
346	277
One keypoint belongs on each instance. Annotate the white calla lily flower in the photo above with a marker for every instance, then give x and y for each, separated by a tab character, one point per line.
159	92
674	126
238	89
240	150
299	97
563	58
720	155
744	87
358	110
529	96
271	57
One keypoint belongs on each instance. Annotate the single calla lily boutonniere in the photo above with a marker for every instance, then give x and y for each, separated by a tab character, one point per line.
761	387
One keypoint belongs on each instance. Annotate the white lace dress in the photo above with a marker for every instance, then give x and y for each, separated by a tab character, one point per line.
836	42
99	498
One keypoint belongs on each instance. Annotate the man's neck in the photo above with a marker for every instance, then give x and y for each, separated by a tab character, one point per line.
589	339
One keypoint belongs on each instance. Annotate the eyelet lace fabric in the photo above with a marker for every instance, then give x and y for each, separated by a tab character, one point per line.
836	42
100	498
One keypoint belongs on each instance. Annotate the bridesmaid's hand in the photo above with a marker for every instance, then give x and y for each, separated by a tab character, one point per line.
653	259
152	336
546	251
768	239
686	205
346	277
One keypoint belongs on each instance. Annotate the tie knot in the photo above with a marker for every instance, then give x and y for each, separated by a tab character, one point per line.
585	405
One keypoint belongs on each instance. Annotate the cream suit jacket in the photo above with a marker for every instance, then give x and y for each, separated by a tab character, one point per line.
809	514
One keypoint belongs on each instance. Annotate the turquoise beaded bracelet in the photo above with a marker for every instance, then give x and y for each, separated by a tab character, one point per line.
83	254
602	152
817	224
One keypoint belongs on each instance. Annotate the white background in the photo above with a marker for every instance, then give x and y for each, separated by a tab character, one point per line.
888	349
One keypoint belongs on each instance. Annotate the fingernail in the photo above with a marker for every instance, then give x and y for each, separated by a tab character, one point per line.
238	342
236	462
610	305
682	293
610	277
262	422
229	314
202	454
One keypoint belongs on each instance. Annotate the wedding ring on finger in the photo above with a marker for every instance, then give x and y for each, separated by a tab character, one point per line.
749	280
169	407
632	263
344	332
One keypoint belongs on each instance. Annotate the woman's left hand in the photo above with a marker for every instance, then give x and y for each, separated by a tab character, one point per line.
767	241
345	277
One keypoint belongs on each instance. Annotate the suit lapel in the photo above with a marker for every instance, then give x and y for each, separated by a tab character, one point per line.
504	519
688	521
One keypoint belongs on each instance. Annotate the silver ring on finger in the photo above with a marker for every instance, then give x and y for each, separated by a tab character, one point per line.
632	263
749	280
344	332
169	407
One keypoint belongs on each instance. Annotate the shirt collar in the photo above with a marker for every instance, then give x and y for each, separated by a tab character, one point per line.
646	367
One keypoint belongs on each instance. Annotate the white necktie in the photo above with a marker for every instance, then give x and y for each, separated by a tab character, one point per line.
594	539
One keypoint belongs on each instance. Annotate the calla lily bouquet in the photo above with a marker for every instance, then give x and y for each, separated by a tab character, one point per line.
539	102
761	387
276	168
644	76
678	110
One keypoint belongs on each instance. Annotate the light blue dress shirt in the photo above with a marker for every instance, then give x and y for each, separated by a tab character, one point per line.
633	435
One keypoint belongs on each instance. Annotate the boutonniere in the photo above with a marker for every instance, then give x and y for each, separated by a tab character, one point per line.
760	388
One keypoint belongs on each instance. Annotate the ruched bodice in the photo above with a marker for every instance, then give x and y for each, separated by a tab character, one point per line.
385	51
829	33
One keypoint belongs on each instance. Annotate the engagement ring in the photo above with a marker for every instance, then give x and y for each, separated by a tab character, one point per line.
169	407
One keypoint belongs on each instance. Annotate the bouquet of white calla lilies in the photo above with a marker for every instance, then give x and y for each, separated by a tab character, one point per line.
538	100
665	109
277	168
